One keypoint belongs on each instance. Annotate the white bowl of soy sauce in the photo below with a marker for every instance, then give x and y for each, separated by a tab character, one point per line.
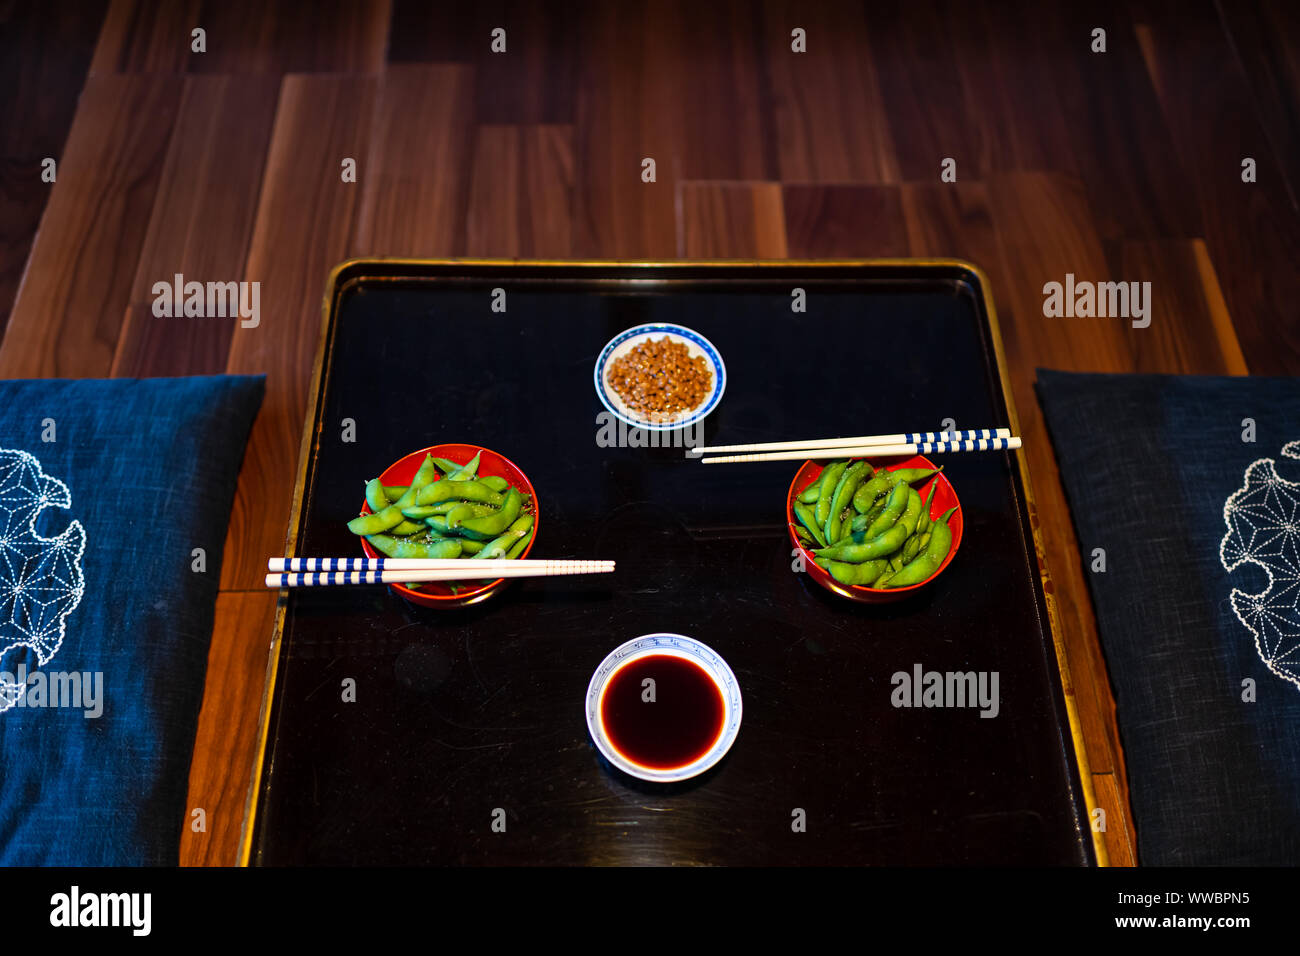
663	707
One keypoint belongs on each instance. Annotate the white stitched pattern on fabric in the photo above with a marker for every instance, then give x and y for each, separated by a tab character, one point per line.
41	579
1263	519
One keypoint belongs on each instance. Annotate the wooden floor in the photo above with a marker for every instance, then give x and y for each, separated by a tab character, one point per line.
225	164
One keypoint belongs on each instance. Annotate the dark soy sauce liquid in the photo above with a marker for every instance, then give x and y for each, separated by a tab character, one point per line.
678	727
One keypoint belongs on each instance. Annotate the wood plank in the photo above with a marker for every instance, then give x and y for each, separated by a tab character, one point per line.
1186	334
828	111
404	210
844	221
277	37
44	55
1004	67
1252	232
534	80
201	225
1138	185
521	194
710	57
422	32
1265	38
733	221
1119	836
931	113
146	36
225	745
69	311
616	214
305	217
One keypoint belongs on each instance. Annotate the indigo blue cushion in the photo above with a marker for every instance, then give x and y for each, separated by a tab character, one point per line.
107	488
1197	605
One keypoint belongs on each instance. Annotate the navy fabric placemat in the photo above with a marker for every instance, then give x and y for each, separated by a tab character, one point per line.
1197	605
108	491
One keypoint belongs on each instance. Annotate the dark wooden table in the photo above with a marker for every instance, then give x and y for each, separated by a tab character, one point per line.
225	164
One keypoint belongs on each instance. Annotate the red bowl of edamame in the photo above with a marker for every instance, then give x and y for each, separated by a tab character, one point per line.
935	489
402	471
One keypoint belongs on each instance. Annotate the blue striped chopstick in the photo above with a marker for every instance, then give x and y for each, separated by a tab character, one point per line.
861	441
874	451
319	572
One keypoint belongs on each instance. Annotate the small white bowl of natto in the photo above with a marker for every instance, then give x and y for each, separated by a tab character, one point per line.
660	376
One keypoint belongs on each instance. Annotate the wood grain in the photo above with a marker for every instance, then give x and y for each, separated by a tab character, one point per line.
828	112
146	36
840	221
305	217
521	193
404	210
201	224
68	314
733	221
286	36
1251	230
44	55
225	745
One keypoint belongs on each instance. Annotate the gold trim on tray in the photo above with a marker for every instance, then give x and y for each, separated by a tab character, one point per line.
333	291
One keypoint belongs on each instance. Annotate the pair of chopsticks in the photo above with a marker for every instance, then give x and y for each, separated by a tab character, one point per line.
876	446
315	572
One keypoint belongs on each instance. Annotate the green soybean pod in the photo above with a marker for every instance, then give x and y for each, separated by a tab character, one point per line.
522	543
495	482
499	547
448	489
390	516
864	498
810	494
883	545
910	548
925	511
376	498
393	492
467	471
489	526
855	575
398	548
894	506
841	497
912	512
830	479
914	474
806	517
928	561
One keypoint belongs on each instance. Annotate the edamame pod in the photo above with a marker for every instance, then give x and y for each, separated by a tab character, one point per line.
500	547
928	561
805	515
894	506
489	526
399	548
466	471
809	495
495	482
448	489
912	513
914	474
924	523
522	543
885	543
856	575
830	480
865	496
841	497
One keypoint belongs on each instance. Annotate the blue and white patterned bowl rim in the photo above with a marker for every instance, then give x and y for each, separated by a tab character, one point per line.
659	328
677	645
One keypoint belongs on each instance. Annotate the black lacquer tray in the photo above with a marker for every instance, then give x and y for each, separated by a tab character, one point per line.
466	742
